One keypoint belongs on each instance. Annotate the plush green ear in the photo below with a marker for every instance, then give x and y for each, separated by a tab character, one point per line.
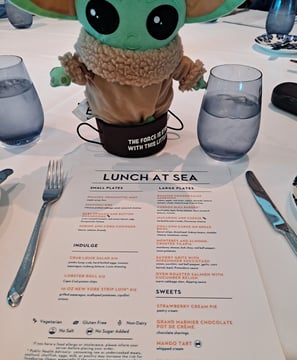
60	9
206	10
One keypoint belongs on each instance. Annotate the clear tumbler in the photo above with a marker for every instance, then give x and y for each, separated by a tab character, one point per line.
18	18
229	118
21	113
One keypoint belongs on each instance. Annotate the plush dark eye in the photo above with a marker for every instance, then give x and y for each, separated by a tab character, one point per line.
102	16
162	22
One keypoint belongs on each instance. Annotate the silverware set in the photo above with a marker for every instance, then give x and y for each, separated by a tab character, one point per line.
52	191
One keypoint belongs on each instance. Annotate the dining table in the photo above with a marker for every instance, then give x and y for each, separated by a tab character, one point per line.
273	158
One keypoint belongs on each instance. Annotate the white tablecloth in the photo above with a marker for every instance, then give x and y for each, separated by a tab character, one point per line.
273	158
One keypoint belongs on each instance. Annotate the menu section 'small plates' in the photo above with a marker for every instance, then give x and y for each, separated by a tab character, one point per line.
282	44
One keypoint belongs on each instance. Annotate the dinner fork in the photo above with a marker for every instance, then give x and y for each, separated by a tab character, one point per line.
53	189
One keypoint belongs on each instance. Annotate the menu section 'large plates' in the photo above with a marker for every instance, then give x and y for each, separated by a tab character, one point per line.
278	43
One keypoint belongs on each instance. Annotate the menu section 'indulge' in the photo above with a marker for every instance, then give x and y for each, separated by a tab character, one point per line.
142	263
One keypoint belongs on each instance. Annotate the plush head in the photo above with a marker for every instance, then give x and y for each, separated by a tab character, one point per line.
131	24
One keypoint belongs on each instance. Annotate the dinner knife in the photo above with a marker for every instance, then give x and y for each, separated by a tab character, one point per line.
4	174
270	210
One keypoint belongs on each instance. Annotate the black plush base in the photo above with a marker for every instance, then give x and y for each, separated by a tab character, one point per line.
134	140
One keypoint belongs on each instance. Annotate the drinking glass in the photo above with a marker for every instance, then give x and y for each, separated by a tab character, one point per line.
281	17
18	18
229	118
21	113
2	9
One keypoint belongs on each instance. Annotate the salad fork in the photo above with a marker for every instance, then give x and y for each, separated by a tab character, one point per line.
53	189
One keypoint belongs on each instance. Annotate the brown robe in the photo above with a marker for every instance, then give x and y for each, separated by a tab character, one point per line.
128	87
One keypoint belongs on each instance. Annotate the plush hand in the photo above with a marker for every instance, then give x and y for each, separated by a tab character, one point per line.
59	77
74	68
201	84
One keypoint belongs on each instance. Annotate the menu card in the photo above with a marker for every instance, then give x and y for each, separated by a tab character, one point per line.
142	259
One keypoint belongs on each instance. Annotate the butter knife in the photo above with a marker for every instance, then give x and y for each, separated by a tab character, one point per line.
4	174
270	210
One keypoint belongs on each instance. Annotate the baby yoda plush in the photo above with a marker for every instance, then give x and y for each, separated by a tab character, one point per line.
127	55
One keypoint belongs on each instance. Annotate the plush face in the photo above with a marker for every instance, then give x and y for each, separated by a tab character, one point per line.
114	23
131	24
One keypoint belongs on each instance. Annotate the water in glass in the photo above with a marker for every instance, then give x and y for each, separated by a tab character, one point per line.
229	118
21	113
229	124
